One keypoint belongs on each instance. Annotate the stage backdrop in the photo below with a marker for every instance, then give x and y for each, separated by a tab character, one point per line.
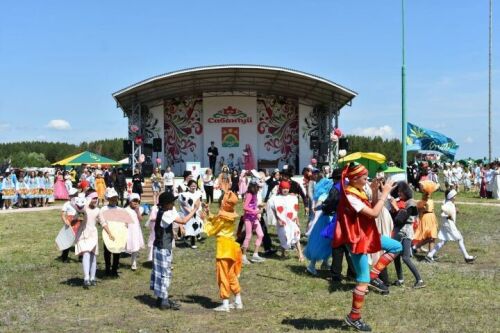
231	122
183	126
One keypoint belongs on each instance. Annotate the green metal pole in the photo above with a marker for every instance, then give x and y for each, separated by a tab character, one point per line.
403	92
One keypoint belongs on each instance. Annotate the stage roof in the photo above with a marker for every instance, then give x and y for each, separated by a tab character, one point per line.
265	80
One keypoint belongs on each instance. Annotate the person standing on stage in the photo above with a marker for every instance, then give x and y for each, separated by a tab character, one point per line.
213	152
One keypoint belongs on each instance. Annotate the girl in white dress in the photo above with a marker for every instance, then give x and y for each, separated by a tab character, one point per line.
86	242
187	200
135	240
449	230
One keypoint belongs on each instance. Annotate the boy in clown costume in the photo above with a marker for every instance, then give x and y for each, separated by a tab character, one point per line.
357	229
228	254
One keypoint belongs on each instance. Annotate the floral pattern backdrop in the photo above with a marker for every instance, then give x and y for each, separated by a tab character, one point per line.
183	128
149	128
278	126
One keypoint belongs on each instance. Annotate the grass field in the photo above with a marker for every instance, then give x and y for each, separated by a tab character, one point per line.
40	294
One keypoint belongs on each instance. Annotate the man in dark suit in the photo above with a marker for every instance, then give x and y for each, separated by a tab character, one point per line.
213	152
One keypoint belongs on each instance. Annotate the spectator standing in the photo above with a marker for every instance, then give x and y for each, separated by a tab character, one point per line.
212	153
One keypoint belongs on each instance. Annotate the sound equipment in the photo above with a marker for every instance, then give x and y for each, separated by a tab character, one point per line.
157	145
323	148
314	142
344	143
127	147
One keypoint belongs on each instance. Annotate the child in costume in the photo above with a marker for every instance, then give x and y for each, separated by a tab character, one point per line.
186	201
68	212
86	242
449	230
427	227
252	223
150	224
161	275
135	240
228	254
356	228
285	210
100	187
405	212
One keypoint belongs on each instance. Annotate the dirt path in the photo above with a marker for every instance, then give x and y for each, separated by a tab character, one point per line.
29	210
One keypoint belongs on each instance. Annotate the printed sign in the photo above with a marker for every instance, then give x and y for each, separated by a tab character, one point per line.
230	137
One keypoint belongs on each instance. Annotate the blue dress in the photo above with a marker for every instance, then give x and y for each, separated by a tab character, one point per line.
319	247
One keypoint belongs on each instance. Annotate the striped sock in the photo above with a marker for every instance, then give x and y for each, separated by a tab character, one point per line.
358	299
382	263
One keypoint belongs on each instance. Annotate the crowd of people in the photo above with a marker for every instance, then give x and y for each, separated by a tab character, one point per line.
369	223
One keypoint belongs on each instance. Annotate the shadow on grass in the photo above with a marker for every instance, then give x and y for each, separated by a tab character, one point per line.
299	270
271	277
148	264
204	301
339	286
73	282
147	300
315	324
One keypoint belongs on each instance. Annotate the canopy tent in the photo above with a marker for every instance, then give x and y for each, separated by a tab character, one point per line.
374	162
394	169
87	158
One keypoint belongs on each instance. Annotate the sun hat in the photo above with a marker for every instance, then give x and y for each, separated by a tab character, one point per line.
110	193
134	196
72	192
451	194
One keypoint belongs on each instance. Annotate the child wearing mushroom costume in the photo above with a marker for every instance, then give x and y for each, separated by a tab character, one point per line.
357	229
449	230
427	227
285	210
228	254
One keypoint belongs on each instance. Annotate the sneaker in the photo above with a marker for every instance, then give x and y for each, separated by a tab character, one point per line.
379	286
398	283
359	324
134	266
429	259
311	270
256	258
170	305
194	246
86	284
237	306
222	308
470	260
93	283
420	284
245	260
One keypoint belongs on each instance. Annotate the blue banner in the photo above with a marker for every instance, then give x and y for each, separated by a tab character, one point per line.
419	138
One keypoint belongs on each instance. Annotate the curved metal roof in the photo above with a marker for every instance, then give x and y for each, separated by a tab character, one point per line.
265	80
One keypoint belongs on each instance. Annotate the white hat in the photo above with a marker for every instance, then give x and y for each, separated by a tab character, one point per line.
72	191
110	193
255	173
134	196
451	194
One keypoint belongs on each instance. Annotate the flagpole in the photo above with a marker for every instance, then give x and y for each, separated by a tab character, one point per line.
403	92
489	81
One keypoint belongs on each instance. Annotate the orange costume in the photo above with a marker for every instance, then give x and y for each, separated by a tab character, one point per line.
228	254
427	227
100	187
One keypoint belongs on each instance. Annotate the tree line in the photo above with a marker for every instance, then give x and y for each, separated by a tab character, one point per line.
43	154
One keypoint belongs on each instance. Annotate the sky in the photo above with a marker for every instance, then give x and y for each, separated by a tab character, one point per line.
60	61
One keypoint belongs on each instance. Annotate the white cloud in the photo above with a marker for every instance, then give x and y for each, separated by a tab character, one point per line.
59	124
469	139
386	132
4	127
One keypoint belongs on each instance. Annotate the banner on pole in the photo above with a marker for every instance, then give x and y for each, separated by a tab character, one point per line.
419	138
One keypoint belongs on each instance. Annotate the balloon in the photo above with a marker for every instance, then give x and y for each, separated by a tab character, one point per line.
337	132
342	152
142	158
138	140
134	128
158	160
333	137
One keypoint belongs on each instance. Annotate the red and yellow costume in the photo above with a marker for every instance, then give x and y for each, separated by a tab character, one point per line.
228	253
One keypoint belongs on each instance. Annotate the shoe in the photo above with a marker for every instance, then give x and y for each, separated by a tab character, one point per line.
245	260
470	260
133	267
237	306
398	283
93	283
420	284
311	270
324	266
114	275
429	259
359	324
256	259
270	252
86	284
222	308
379	286
169	305
194	246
